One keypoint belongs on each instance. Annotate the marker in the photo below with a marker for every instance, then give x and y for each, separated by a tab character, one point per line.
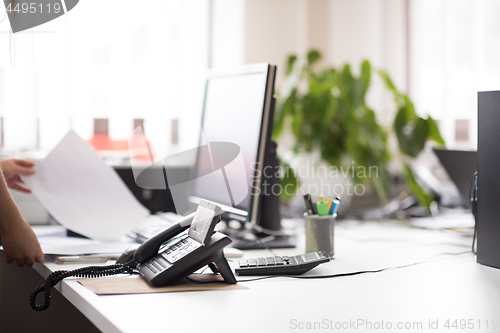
335	206
322	207
329	202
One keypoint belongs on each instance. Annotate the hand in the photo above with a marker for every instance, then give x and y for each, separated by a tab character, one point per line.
13	169
20	244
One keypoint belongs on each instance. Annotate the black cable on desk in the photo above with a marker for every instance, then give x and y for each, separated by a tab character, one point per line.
354	273
84	272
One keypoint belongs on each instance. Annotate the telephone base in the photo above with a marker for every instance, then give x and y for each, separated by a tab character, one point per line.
160	272
220	265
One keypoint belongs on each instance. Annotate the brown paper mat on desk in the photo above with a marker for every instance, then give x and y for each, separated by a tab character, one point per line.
139	285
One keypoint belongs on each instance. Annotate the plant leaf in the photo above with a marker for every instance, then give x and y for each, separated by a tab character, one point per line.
290	63
411	134
434	131
424	198
289	183
389	84
365	77
380	181
284	109
313	56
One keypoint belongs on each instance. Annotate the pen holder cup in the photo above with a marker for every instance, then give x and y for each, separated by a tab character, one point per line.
319	233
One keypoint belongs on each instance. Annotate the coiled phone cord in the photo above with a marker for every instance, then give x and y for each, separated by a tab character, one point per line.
84	272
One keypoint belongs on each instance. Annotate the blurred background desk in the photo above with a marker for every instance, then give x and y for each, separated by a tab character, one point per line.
448	287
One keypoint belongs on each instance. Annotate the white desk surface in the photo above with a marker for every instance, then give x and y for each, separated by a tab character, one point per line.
444	288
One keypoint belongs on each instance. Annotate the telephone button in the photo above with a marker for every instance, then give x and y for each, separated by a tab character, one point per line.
158	264
151	268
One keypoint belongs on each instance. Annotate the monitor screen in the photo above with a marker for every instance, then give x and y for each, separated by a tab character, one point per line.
234	134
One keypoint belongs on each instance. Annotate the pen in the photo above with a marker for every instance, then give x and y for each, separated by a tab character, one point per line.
309	204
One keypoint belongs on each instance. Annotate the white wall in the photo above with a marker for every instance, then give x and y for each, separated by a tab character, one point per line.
345	31
274	29
228	30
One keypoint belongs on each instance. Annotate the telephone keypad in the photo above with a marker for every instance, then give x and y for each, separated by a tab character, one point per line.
180	249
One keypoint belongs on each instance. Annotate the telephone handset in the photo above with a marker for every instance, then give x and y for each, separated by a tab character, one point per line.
185	253
150	248
166	257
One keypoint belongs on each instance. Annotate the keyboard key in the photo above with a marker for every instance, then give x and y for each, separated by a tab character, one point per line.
261	262
252	263
270	261
243	263
279	261
311	256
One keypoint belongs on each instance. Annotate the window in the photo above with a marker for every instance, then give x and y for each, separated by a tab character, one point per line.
114	59
455	52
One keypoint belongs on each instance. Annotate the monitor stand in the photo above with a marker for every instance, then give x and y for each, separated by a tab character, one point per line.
254	240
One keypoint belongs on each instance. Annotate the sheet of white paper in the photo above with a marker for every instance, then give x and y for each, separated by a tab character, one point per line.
82	246
83	193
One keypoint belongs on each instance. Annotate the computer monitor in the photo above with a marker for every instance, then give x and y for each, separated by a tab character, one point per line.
460	166
235	145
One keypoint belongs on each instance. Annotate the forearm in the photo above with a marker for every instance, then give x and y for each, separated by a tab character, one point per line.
9	213
19	242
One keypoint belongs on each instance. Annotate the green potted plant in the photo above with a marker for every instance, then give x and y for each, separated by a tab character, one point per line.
326	111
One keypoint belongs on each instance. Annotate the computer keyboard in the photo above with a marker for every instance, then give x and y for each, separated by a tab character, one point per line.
282	265
152	225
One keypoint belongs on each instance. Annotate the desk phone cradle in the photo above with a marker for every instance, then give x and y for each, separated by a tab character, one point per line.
164	265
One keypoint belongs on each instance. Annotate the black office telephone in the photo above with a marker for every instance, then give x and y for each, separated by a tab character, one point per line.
162	263
166	257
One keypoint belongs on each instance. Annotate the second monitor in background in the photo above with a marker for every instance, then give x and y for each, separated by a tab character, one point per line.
460	166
